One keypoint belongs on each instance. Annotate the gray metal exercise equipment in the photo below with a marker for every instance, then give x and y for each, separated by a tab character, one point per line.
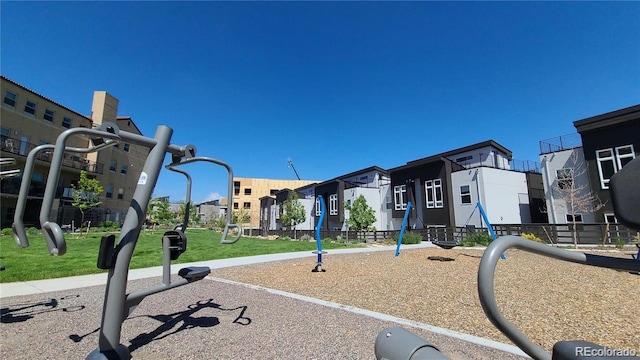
18	228
116	257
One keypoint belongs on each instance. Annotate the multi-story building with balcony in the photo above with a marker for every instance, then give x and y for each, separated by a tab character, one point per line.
29	119
577	167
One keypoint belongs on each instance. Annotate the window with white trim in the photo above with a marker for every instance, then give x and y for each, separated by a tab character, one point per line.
66	123
333	204
465	194
573	217
400	197
30	107
48	115
318	207
434	193
10	98
611	161
565	178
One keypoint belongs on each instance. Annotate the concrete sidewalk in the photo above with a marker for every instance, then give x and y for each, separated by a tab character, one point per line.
49	285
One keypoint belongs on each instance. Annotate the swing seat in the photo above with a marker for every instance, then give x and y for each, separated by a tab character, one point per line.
447	245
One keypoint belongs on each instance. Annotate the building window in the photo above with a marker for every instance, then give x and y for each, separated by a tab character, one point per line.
611	161
123	169
66	123
246	205
574	218
247	191
565	178
126	147
48	115
30	107
624	154
465	194
434	193
333	204
113	165
610	218
120	194
318	207
464	160
10	98
400	197
236	188
235	206
109	194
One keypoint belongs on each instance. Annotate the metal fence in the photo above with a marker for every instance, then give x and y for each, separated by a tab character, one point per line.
586	234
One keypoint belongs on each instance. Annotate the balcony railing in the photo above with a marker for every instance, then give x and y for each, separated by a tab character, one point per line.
22	148
559	143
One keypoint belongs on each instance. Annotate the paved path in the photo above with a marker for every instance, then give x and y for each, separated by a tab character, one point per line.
213	318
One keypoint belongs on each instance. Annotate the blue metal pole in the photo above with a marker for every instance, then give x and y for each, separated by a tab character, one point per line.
404	225
486	220
318	239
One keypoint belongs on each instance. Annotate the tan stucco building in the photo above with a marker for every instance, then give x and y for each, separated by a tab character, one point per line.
248	191
29	119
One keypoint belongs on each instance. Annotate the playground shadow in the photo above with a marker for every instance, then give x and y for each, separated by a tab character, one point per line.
28	310
174	323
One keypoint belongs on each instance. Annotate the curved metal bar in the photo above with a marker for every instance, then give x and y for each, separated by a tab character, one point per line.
18	228
486	281
228	225
52	233
187	209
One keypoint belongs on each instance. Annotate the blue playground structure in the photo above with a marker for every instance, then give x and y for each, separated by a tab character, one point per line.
404	225
319	252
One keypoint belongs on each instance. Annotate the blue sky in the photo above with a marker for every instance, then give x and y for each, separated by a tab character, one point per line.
335	86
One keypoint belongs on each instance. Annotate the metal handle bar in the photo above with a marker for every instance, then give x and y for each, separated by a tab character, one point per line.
486	276
51	230
228	225
185	222
18	228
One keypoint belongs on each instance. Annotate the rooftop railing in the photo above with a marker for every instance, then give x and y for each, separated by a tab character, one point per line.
560	143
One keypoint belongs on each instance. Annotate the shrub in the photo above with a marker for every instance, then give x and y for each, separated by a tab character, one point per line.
410	238
531	237
306	237
32	231
480	238
284	238
6	231
620	243
341	239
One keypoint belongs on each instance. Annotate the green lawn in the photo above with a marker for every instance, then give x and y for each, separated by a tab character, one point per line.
34	262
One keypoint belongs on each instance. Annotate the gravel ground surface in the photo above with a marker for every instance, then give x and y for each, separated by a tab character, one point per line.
549	300
205	320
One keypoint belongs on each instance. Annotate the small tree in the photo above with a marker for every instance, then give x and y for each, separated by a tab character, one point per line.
193	214
292	212
575	193
86	194
240	217
158	212
361	215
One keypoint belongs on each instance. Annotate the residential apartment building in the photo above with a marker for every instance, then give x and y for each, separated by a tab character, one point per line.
247	194
577	167
30	119
444	189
